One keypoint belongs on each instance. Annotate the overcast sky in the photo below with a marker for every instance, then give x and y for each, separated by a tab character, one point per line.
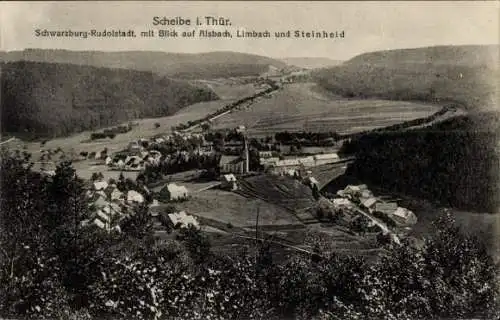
368	26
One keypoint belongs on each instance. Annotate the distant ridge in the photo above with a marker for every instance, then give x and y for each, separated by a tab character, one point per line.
178	65
464	75
311	62
467	55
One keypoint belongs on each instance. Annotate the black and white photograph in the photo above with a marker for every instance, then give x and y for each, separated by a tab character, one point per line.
257	160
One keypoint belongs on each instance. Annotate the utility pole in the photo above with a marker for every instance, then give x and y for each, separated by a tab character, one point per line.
246	153
247	160
257	234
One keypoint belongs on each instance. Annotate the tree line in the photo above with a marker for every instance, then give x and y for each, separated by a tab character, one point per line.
51	267
451	163
307	138
273	87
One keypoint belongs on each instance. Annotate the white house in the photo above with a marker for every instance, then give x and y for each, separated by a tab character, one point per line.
269	161
120	164
100	224
386	207
174	192
116	194
327	158
103	216
100	185
183	220
229	182
404	216
342	203
291	172
134	196
265	154
370	203
350	191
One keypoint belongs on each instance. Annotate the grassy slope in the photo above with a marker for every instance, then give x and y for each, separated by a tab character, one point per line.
190	66
59	99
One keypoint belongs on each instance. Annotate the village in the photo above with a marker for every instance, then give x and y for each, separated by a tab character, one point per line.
173	174
227	160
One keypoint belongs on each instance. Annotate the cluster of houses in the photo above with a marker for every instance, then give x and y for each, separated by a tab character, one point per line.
134	162
360	196
142	153
275	165
109	206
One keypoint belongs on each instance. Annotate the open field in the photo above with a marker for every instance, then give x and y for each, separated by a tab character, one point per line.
229	207
326	173
281	191
331	239
304	106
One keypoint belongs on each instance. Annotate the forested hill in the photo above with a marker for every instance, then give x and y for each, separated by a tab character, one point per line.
462	74
454	162
189	66
51	99
472	55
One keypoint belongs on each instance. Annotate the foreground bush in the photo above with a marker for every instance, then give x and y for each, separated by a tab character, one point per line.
52	269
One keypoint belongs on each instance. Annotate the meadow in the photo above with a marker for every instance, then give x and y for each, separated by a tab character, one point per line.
305	106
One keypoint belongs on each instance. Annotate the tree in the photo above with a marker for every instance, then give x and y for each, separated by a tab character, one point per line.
205	126
67	204
22	209
461	273
139	224
97	176
29	267
196	243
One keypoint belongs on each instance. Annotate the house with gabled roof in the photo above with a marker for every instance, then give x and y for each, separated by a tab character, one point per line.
369	203
134	197
229	182
183	220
